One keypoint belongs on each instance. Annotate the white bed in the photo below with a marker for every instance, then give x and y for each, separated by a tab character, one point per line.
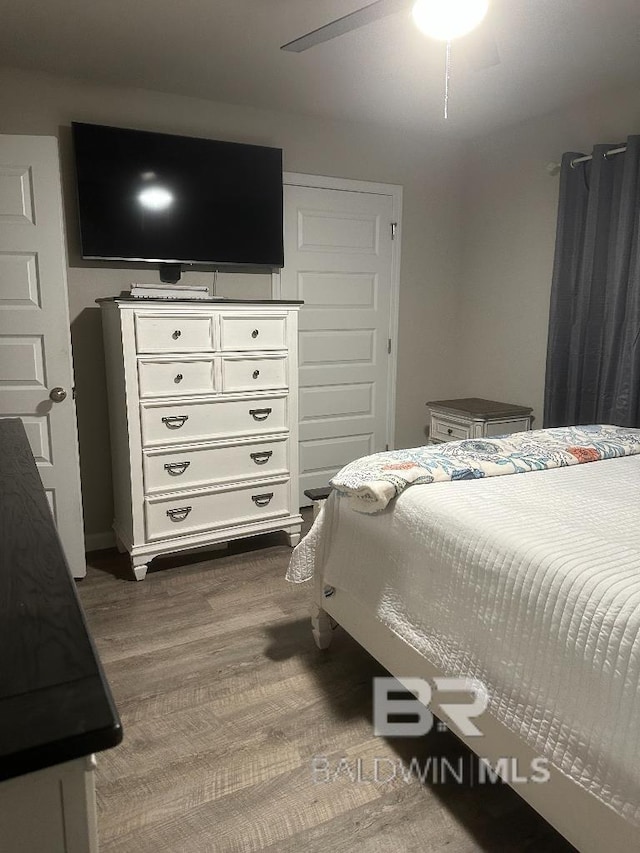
529	583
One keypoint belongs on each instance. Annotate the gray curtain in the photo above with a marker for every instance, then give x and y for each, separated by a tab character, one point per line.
593	353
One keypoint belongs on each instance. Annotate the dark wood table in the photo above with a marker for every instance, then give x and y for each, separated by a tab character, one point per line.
55	702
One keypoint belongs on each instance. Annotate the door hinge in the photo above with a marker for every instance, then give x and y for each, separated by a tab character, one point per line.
394	228
389	346
73	393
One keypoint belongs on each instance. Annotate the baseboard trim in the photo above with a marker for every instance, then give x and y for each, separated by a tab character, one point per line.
99	541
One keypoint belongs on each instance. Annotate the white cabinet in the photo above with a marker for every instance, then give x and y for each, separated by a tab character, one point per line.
51	810
203	408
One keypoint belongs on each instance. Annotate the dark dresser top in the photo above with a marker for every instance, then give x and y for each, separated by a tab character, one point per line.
145	300
476	407
55	702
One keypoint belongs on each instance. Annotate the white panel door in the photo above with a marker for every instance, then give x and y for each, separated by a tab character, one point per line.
338	256
35	342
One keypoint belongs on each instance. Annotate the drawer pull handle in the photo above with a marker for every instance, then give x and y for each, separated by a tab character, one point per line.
449	431
176	334
256	373
179	378
179	514
262	500
260	414
174	469
175	421
255	333
262	457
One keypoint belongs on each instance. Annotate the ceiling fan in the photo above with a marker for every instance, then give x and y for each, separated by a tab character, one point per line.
444	20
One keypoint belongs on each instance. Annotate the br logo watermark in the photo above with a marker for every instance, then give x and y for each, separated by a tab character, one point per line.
401	709
390	702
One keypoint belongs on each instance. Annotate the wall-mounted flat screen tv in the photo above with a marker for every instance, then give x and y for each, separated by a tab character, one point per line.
170	199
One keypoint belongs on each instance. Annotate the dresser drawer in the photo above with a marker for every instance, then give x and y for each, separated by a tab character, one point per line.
175	377
193	512
180	423
196	466
247	333
254	374
448	429
173	334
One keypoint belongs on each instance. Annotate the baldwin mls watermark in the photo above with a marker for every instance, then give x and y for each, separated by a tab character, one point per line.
401	709
434	770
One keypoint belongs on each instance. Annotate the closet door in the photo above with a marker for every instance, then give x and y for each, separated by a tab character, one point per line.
339	259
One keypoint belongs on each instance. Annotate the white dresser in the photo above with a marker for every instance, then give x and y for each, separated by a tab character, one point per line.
203	410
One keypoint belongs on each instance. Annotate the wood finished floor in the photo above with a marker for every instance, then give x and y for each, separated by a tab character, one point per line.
225	700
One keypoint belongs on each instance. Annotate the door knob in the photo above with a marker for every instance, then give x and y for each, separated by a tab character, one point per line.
57	395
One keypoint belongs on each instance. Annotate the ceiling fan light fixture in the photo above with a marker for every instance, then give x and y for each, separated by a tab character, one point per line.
446	20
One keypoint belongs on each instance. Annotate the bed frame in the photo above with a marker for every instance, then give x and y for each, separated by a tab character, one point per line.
586	822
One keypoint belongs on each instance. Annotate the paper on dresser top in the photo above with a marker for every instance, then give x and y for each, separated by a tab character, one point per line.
169	291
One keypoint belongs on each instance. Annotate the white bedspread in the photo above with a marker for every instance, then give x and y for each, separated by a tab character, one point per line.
530	584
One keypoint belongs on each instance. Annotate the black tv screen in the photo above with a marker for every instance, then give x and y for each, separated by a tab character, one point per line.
171	199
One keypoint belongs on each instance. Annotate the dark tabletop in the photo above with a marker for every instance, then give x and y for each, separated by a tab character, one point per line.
478	408
144	300
55	702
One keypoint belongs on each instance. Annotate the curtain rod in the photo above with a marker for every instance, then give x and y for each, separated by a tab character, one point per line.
610	153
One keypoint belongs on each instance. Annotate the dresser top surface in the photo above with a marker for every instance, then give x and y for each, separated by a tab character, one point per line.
221	302
477	407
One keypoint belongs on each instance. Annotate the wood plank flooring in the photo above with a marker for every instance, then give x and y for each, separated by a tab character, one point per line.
225	702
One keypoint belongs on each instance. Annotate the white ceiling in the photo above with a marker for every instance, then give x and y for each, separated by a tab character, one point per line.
552	51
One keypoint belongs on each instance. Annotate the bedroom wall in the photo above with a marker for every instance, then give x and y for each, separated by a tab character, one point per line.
510	209
32	103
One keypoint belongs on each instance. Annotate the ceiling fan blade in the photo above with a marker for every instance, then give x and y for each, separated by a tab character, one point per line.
353	21
478	48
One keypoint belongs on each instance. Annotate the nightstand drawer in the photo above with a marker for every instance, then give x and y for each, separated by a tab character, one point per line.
254	374
448	429
196	466
173	334
496	428
173	378
252	333
192	512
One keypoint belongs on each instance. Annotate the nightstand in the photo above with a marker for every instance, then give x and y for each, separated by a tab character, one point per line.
319	498
472	417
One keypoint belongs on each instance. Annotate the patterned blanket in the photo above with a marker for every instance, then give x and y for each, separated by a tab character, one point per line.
371	482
